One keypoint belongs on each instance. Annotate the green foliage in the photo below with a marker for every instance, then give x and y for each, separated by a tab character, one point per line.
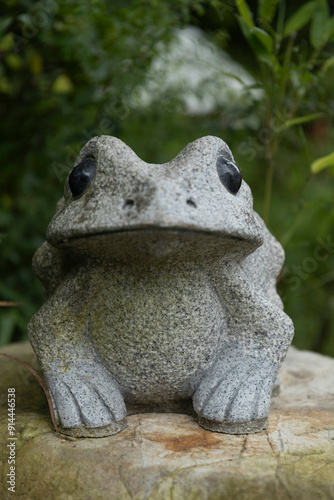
267	9
294	78
286	79
300	18
321	163
67	73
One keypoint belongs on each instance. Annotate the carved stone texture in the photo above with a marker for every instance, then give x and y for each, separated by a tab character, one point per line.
168	456
161	293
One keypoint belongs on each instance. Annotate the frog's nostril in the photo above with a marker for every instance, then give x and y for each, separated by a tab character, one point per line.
128	204
191	203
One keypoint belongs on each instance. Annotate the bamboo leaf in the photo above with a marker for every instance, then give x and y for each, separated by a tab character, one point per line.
245	12
300	18
322	163
318	24
4	23
267	9
264	38
258	47
299	120
329	28
328	64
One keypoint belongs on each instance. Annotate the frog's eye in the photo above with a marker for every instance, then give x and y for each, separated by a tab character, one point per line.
229	174
81	177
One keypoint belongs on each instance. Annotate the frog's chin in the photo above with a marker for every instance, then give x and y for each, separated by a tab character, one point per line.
159	242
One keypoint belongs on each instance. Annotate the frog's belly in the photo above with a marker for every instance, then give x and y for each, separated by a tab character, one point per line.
156	337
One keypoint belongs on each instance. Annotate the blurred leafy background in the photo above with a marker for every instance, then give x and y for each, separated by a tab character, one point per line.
72	70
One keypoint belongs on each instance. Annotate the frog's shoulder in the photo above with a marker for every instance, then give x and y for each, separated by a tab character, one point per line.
49	266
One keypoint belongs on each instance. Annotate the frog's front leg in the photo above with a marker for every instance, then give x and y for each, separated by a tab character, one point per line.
86	399
234	394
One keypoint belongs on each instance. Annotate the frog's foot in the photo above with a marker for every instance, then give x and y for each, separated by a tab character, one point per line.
234	396
86	400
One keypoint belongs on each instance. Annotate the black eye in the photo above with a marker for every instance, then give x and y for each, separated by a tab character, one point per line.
81	176
229	174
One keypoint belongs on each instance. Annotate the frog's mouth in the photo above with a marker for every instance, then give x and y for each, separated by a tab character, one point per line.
148	230
148	241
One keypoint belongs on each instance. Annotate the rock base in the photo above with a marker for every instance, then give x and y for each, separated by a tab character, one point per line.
169	456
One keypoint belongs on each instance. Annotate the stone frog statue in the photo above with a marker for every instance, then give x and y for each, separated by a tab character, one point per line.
160	293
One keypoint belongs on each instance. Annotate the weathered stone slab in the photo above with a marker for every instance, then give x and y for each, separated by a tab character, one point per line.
168	456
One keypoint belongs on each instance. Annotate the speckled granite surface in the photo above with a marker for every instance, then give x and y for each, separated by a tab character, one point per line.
161	293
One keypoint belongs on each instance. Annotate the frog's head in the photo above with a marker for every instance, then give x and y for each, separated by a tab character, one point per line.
111	196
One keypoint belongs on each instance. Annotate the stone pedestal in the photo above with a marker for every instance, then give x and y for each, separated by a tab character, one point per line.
168	456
